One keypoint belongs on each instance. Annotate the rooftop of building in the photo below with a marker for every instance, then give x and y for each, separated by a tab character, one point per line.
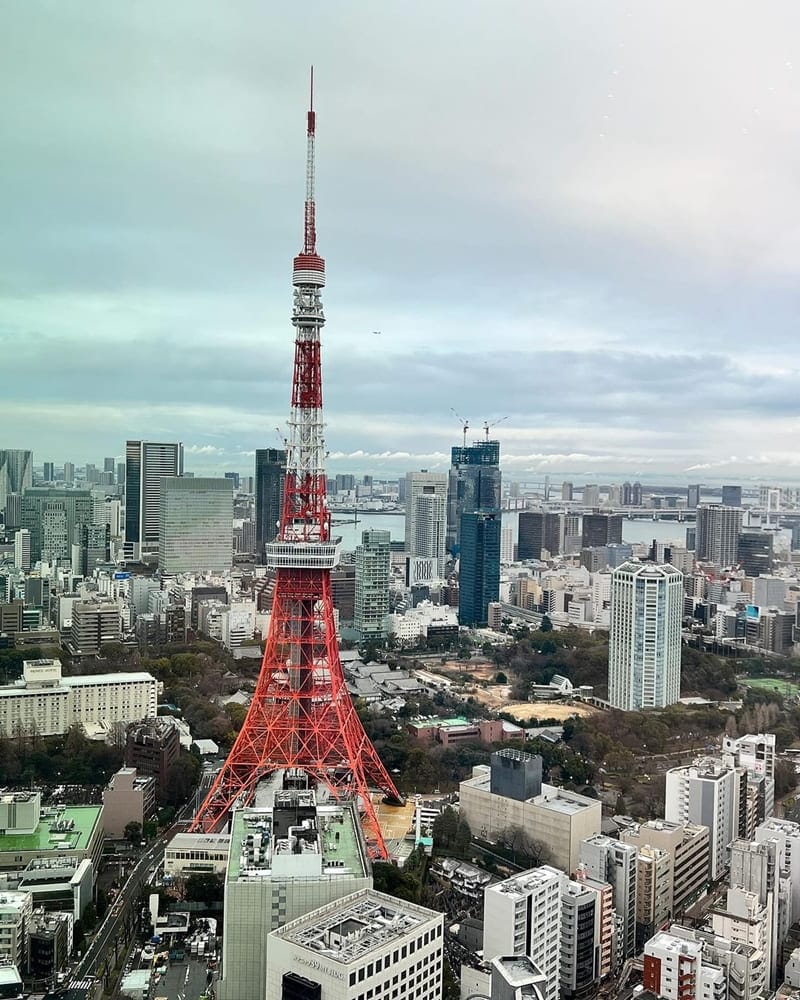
334	833
551	797
521	885
518	970
665	941
200	842
87	680
12	900
353	927
65	828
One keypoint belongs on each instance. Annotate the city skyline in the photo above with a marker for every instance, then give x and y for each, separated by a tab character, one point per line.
635	282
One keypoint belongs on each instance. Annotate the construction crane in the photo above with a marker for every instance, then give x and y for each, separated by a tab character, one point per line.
487	426
464	424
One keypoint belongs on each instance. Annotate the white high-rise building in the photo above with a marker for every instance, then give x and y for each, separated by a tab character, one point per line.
426	516
522	916
373	568
195	531
506	545
756	753
674	969
22	549
707	792
644	659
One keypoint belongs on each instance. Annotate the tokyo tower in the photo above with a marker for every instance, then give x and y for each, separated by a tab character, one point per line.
301	716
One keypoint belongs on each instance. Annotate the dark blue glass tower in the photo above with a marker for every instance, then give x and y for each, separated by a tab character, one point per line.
479	567
474	484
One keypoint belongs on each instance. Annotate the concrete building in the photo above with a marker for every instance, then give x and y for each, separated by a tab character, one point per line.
787	835
515	977
522	916
731	496
74	831
94	624
653	891
586	938
22	549
755	752
708	793
16	912
366	944
754	552
769	592
63	883
16	472
558	818
426	517
188	853
674	969
146	464
49	944
718	529
152	747
285	862
644	659
611	861
743	920
51	516
372	573
45	702
195	525
689	847
128	798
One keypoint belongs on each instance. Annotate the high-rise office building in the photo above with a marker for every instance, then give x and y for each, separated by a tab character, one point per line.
49	472
120	473
146	465
717	534
522	916
538	530
426	516
754	552
585	955
644	657
16	472
108	465
567	491
688	846
51	516
693	496
601	529
474	484
22	549
270	475
591	495
479	566
69	473
373	565
91	545
731	496
195	525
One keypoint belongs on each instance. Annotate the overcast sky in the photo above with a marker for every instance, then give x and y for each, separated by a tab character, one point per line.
581	216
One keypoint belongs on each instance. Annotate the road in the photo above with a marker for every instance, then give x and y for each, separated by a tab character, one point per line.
115	918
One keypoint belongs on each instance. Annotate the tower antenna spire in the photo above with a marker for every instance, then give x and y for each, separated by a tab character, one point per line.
310	237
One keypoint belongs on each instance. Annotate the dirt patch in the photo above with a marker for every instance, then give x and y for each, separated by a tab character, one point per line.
481	670
529	711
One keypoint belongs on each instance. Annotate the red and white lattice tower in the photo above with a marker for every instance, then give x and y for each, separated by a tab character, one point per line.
301	715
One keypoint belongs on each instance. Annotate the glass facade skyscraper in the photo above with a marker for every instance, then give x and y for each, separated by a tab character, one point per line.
195	525
474	484
146	464
270	476
479	566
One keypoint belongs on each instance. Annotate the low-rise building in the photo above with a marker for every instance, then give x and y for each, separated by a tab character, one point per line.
46	702
49	943
188	853
76	831
129	798
510	793
63	883
366	944
16	911
152	747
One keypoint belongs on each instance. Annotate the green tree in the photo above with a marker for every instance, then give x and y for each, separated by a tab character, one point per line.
133	832
546	626
205	887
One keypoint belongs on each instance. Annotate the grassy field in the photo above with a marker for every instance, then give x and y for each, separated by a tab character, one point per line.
771	684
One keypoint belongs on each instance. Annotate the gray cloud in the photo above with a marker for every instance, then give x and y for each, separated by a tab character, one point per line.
584	217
